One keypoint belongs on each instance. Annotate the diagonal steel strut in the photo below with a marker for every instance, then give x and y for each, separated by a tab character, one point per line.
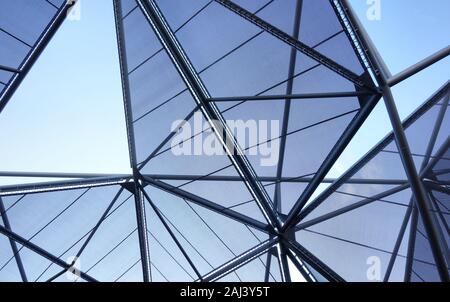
14	248
37	249
209	110
305	49
208	204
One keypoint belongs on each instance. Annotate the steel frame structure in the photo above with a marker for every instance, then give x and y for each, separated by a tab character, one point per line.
280	228
34	53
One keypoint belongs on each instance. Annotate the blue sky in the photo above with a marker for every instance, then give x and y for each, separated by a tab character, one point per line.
68	115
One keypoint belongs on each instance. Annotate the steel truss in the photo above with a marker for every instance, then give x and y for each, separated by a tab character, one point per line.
280	228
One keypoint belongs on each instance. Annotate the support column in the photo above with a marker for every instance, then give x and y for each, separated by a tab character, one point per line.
422	202
417	187
142	234
14	248
284	264
138	197
287	106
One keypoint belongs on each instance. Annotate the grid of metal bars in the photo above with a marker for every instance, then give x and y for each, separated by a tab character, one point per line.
426	211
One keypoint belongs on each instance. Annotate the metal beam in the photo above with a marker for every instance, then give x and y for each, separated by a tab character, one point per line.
34	54
301	267
417	188
124	70
209	110
290	96
308	51
422	201
348	208
139	199
416	68
411	244
155	152
411	210
313	261
287	105
13	244
208	204
348	30
61	185
441	217
273	179
328	163
436	158
9	69
346	177
59	175
268	265
398	242
364	40
436	187
283	263
98	224
59	274
439	172
435	133
436	211
172	235
240	260
141	221
38	250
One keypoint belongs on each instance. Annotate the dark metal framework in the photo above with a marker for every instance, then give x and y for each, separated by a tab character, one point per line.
425	212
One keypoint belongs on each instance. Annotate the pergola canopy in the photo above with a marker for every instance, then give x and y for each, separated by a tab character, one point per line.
306	63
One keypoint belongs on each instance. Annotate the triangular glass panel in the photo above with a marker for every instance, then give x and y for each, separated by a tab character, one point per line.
423	266
61	221
209	242
114	249
22	23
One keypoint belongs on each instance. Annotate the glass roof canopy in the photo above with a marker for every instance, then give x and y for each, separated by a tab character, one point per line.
25	29
203	217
